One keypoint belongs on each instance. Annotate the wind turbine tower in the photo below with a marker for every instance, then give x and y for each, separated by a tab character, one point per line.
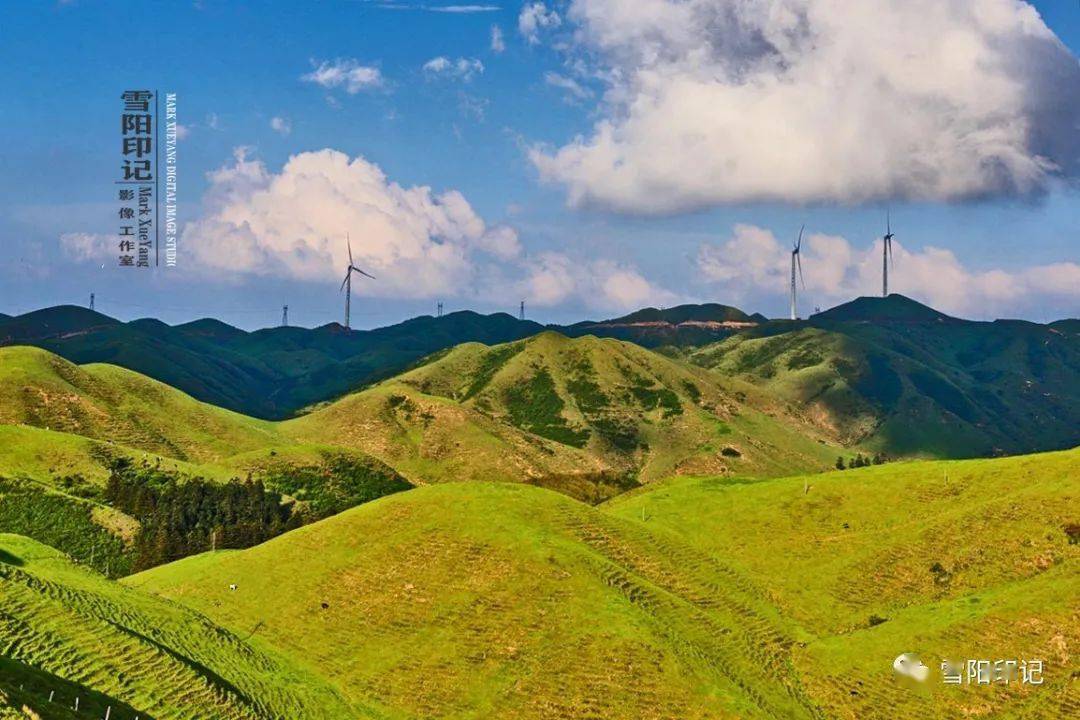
346	285
284	316
886	255
796	261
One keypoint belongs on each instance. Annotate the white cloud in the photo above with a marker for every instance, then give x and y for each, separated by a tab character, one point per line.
182	131
534	18
460	69
498	43
293	223
417	243
344	73
752	259
282	126
84	247
712	101
574	89
554	278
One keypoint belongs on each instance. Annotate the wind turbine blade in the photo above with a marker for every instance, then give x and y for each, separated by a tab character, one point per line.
348	244
343	282
888	222
798	259
364	273
798	243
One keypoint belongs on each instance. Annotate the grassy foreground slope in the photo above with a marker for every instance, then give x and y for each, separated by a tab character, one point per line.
68	631
550	406
952	560
477	600
690	598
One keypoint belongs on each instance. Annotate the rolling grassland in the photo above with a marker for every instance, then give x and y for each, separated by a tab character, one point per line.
696	597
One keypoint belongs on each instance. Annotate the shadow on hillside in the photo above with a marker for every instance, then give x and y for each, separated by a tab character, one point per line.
33	686
9	559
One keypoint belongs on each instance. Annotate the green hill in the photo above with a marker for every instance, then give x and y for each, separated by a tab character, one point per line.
111	404
482	600
271	373
680	326
893	309
952	560
693	598
549	408
68	632
64	429
1066	327
902	378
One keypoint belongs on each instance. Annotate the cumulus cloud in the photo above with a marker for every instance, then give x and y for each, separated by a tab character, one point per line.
282	126
534	18
710	101
554	278
344	73
417	242
752	259
293	223
498	43
460	69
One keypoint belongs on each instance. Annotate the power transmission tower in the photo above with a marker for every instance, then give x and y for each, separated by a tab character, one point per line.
438	309
91	301
284	316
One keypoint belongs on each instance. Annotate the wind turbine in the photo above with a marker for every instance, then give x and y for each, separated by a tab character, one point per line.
346	285
796	260
886	255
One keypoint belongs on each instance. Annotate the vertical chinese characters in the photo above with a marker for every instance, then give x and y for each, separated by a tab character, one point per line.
138	180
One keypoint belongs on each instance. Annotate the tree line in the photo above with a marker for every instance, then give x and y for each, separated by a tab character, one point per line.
860	461
182	514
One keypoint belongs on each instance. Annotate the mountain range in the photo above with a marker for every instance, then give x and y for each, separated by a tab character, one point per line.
477	516
888	373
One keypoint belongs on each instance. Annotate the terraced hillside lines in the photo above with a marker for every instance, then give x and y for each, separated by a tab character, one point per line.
953	560
114	405
490	600
713	617
157	658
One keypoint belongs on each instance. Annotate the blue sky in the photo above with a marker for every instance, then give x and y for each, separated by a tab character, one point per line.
236	67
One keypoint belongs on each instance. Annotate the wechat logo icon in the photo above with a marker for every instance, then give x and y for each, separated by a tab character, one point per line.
910	666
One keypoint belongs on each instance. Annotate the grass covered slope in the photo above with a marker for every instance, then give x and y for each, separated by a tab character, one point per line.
111	404
547	406
690	598
67	630
476	600
967	559
271	373
902	378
